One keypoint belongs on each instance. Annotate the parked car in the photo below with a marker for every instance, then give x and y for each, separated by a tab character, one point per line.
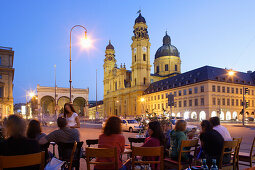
131	125
249	119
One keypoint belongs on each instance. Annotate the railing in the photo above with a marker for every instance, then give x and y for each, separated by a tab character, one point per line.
5	48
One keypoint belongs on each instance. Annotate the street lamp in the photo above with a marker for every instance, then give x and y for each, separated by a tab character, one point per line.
142	101
30	94
86	43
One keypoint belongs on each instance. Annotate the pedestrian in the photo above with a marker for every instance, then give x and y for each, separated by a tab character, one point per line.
71	116
211	142
111	137
215	121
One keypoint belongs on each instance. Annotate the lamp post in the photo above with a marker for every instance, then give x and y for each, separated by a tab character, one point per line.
70	81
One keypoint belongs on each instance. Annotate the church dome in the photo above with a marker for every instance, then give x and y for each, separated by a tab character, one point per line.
167	49
140	18
110	46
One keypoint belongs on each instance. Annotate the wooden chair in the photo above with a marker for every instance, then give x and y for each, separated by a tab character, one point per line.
229	147
101	153
239	140
22	160
148	151
179	164
70	152
91	142
247	157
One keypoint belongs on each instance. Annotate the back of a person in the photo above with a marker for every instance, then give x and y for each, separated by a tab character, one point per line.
64	135
114	140
223	131
176	137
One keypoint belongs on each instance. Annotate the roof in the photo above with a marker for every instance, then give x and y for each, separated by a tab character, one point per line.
139	19
199	75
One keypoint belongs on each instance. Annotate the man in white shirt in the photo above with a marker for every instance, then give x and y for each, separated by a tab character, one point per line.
215	121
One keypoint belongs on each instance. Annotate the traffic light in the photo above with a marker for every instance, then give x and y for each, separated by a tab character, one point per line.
246	90
246	104
241	112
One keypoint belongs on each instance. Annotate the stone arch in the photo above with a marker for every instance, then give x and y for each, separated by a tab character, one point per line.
222	117
228	115
234	115
173	114
79	105
61	102
202	115
213	114
178	114
47	105
193	115
186	115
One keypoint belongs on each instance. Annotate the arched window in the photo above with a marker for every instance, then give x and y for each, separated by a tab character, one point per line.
144	57
144	80
157	71
135	57
175	67
166	67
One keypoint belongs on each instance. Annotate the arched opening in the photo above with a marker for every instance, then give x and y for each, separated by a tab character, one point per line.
202	115
228	115
214	114
61	102
173	114
178	114
222	117
79	105
186	115
47	105
193	115
234	115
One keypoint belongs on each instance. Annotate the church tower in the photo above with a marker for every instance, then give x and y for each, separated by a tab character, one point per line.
141	67
109	64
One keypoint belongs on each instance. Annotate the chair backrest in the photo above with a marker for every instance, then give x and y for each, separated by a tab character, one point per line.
229	147
192	144
252	147
148	151
239	141
91	142
22	160
101	153
135	140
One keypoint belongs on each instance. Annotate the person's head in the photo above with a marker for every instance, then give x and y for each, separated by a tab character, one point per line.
206	126
180	125
215	121
155	131
16	126
68	108
34	129
61	122
112	126
194	130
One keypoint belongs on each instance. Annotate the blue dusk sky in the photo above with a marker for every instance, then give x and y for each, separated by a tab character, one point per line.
217	33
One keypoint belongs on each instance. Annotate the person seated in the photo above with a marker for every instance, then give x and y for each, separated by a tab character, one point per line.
34	130
156	138
168	130
191	134
176	137
211	142
111	138
215	121
63	135
16	142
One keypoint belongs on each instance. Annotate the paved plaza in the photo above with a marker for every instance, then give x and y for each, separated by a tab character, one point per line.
92	131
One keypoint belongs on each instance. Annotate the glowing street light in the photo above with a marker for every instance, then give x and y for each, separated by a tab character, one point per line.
86	42
142	99
31	94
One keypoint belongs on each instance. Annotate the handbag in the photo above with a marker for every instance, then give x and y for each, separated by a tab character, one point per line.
54	164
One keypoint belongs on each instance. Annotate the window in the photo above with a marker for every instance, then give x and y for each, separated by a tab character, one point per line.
237	90
252	92
135	82
228	89
151	98
202	89
175	68
252	103
223	102
175	93
218	101
166	95
166	67
158	106
166	105
232	90
180	103
195	89
175	104
1	90
218	88
241	102
214	101
157	69
213	88
158	97
185	103
144	80
155	97
135	58
228	102
190	103
237	102
233	102
0	76
180	93
144	57
115	85
241	91
196	102
162	96
190	91
202	101
223	89
184	92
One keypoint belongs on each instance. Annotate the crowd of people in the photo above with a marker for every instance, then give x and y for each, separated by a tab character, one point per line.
33	140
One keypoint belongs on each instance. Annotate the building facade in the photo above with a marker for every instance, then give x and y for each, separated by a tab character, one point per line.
122	87
6	81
